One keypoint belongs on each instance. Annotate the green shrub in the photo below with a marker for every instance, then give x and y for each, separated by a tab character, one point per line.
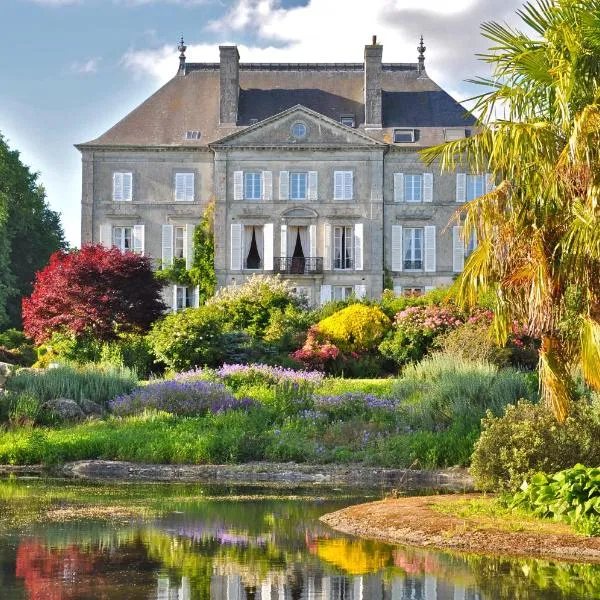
473	342
16	348
572	496
528	439
24	409
96	383
392	304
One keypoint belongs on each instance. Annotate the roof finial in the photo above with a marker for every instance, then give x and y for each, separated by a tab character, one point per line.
421	48
182	48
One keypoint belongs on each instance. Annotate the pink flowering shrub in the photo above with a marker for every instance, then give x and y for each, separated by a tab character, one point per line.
316	354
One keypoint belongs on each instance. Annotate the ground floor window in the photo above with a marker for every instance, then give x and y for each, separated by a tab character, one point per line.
413	248
343	239
342	292
123	238
183	297
413	292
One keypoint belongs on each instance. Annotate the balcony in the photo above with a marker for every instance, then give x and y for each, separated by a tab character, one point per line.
312	265
413	265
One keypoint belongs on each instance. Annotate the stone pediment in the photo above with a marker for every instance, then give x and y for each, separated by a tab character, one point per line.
283	130
306	213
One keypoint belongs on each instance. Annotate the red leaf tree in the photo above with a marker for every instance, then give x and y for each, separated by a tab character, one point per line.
93	292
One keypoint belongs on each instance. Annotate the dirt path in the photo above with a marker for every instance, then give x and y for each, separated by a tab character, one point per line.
413	521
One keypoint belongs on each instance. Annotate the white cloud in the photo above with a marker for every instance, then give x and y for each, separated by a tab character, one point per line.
86	67
55	2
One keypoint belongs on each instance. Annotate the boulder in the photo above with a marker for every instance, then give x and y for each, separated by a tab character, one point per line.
6	369
64	409
91	408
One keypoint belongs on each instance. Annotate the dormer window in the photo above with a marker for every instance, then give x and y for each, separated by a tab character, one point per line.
404	136
347	120
253	121
454	134
192	135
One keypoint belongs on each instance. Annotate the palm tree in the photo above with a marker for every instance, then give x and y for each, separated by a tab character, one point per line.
539	229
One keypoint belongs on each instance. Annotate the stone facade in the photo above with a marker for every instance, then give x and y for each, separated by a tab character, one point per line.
325	186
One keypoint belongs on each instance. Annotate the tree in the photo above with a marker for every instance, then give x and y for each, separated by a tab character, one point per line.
31	232
539	230
93	292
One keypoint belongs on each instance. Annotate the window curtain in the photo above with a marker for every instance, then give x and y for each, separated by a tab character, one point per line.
260	242
247	241
304	241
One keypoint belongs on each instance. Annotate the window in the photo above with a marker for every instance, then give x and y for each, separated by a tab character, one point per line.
192	135
347	120
412	292
299	130
184	298
475	186
178	244
122	187
253	246
298	186
342	185
253	121
252	186
342	292
343	239
413	188
123	238
184	187
413	248
454	134
471	245
404	136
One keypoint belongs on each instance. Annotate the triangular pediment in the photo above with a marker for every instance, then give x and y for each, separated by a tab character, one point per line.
282	130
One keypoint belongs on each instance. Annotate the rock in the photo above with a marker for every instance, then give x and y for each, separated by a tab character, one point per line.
6	369
64	409
91	408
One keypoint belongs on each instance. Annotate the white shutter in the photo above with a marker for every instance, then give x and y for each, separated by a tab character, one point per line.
313	184
427	187
268	247
167	245
358	247
349	185
117	186
189	186
327	247
283	241
338	185
325	294
489	183
196	296
461	187
267	185
360	291
236	247
398	187
127	186
396	247
397	291
188	245
238	185
429	288
430	250
458	250
106	235
174	299
179	187
312	240
284	185
138	239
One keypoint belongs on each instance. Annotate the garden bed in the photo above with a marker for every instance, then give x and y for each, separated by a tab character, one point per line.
466	523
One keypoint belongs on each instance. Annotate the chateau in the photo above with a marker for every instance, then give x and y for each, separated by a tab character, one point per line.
314	170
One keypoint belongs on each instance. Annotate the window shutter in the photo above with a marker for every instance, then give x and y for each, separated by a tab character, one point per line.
179	187
358	247
397	291
238	185
283	241
360	291
461	187
284	185
430	250
196	296
138	239
189	186
427	187
236	247
117	186
489	183
396	247
398	187
106	235
338	185
325	294
188	245
268	247
167	245
127	186
327	248
349	185
313	184
174	299
267	185
312	240
458	250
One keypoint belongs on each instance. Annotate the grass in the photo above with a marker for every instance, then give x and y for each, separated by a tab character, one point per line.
333	386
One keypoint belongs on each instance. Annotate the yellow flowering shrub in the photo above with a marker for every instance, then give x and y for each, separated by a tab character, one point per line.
356	328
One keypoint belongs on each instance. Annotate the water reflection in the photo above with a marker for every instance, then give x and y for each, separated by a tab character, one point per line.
198	548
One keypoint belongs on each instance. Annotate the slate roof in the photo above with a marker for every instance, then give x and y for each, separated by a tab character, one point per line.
191	102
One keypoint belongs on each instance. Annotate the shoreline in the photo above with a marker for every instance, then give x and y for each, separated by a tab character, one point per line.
451	480
413	522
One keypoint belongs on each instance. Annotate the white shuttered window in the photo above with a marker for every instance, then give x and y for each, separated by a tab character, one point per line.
122	187
236	246
343	185
184	187
430	249
398	187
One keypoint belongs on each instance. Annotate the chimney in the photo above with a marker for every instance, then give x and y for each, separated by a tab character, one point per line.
229	69
372	85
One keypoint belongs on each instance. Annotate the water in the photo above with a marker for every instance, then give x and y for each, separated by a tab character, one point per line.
60	541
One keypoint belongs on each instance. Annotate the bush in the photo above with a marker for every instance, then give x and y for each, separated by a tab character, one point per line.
236	376
186	398
99	384
17	348
24	409
392	304
472	342
528	439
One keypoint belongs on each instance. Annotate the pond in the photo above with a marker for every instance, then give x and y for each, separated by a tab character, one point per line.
66	541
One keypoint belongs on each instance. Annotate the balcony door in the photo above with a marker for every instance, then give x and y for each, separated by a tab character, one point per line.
298	249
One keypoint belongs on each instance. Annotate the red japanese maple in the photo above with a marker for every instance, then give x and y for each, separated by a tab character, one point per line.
93	292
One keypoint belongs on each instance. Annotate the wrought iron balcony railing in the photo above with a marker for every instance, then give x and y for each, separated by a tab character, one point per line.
298	266
253	264
413	265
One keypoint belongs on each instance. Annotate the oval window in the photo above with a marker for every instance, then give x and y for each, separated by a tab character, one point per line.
299	130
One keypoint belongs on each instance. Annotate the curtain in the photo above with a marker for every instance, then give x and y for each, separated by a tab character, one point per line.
304	240
260	242
292	235
248	229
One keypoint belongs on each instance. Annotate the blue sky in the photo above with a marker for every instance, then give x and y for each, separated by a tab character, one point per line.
72	68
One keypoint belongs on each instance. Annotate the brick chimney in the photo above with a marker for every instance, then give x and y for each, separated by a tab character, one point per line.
229	69
372	85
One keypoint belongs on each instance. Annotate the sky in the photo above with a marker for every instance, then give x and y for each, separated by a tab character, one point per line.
70	69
